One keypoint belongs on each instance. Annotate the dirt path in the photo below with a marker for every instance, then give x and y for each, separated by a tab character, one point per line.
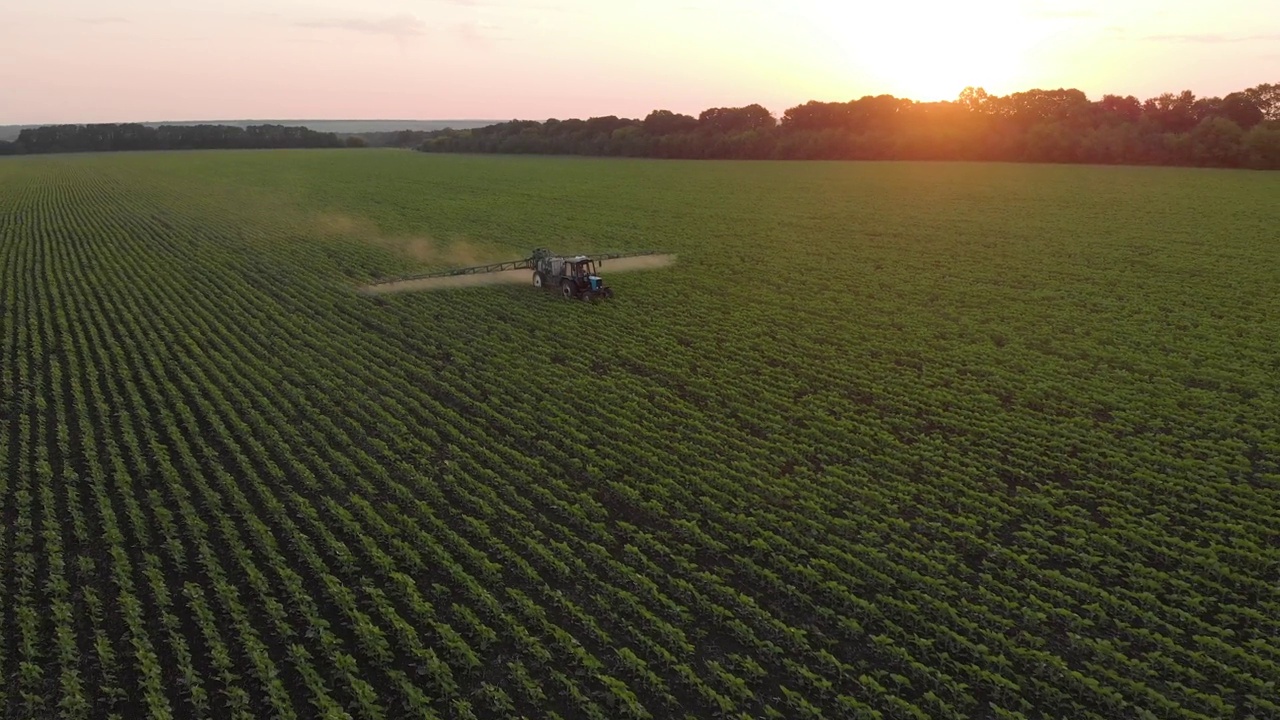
513	277
639	262
507	277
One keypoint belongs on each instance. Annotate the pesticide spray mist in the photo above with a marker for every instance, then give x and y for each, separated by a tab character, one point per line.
512	277
454	253
421	248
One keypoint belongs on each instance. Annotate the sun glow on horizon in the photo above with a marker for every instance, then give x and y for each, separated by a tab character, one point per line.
932	49
582	58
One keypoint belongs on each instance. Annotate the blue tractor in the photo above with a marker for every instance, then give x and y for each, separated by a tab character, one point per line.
575	276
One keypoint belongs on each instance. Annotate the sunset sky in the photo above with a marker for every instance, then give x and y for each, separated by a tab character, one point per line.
150	60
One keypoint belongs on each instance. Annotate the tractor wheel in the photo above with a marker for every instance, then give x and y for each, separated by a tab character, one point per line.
608	293
566	289
537	279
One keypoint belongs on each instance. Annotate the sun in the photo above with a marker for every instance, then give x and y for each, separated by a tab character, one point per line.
933	49
936	63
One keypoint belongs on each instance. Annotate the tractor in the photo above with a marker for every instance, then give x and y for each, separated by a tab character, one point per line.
574	277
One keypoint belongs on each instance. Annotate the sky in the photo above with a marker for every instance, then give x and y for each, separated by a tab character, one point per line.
79	61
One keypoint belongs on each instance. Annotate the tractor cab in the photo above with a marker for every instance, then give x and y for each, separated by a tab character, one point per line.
583	270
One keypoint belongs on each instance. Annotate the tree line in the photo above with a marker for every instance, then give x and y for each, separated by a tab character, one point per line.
106	137
1241	129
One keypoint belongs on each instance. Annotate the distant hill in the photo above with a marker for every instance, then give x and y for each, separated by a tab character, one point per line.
341	127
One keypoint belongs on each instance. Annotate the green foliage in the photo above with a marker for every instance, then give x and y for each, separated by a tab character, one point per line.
890	440
106	137
1262	145
1057	126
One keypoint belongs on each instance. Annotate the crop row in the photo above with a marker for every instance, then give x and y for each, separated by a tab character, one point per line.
232	486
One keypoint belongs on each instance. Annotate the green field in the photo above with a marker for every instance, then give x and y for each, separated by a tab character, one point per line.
890	440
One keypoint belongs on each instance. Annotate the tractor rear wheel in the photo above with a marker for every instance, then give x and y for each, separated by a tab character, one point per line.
566	288
537	279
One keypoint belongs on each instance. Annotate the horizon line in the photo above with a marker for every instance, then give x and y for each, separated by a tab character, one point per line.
1045	88
249	119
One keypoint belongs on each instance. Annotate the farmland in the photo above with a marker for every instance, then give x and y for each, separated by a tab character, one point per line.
889	440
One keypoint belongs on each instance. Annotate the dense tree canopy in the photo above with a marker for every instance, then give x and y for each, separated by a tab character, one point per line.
134	136
1241	129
